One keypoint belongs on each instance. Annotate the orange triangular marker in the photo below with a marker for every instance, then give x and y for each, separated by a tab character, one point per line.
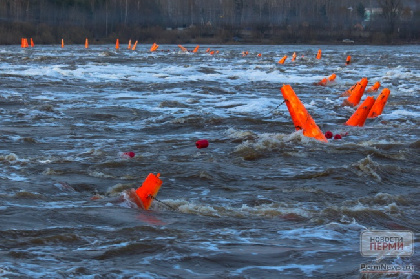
359	116
300	116
379	104
129	44
374	87
86	43
208	50
154	47
281	61
117	44
196	48
32	43
348	60
148	190
318	55
294	56
357	93
183	48
62	43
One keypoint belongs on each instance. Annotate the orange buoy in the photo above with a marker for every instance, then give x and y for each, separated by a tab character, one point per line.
148	191
154	47
294	56
135	45
259	54
32	43
196	48
332	77
374	87
348	60
117	44
86	43
379	104
300	116
183	48
129	44
62	43
281	61
357	93
202	143
359	116
318	55
208	50
212	52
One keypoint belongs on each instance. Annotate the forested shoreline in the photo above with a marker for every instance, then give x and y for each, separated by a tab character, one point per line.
221	21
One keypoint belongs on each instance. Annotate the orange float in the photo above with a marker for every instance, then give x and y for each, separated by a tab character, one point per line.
359	116
196	48
379	104
32	43
300	116
348	60
145	194
281	61
117	44
374	87
62	43
183	48
154	47
129	44
318	55
357	93
86	43
294	56
135	45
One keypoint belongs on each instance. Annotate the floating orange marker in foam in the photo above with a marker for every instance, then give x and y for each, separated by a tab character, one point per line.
259	54
117	44
379	104
212	52
374	87
357	93
86	43
300	116
62	43
135	45
154	47
208	50
348	60
359	116
183	48
325	81
22	45
196	48
318	55
332	77
32	43
129	44
148	190
294	56
281	61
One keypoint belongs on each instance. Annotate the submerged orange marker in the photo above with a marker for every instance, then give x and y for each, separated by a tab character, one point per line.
196	48
318	55
294	56
281	61
86	43
374	87
148	190
62	43
359	116
208	50
183	48
129	44
300	116
117	44
135	45
379	104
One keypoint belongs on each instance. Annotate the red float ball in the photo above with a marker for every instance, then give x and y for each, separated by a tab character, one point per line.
202	143
328	134
337	136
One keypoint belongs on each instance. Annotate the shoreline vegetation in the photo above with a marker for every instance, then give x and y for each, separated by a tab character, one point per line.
262	22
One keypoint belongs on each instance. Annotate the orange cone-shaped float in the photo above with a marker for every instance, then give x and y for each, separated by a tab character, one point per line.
154	47
357	93
348	60
32	43
359	116
183	48
135	45
332	77
294	56
374	87
117	44
300	116
196	48
208	50
129	44
148	191
318	55
379	104
281	61
62	43
86	43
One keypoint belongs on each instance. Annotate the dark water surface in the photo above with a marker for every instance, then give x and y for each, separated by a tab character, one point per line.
262	201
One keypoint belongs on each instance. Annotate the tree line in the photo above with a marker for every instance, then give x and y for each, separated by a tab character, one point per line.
203	21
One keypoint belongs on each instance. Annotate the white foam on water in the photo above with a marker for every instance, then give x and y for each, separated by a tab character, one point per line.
306	269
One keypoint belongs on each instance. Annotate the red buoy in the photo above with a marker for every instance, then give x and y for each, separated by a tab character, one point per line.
202	143
328	134
338	136
127	155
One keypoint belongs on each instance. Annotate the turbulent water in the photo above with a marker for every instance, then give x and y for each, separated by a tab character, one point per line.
262	201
